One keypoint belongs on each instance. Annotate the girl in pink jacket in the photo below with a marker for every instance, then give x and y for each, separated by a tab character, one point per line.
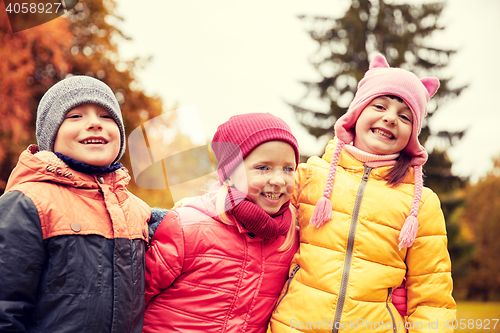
218	264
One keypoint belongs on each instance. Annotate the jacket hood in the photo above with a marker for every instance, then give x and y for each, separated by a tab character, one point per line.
45	166
202	207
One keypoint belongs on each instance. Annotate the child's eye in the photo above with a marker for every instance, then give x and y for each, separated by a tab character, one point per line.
405	117
263	168
379	107
106	116
74	115
289	169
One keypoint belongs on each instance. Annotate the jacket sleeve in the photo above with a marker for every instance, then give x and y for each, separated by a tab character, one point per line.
21	260
165	257
430	304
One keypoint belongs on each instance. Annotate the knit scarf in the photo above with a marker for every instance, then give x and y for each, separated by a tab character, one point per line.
87	168
254	219
371	160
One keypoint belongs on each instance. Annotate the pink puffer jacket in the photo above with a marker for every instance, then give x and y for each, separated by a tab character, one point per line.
206	276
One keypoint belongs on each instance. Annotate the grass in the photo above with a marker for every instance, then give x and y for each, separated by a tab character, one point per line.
480	312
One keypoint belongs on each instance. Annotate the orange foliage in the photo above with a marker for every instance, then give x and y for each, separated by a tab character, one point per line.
32	61
81	42
482	217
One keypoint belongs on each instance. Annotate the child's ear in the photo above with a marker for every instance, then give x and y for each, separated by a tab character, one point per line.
431	84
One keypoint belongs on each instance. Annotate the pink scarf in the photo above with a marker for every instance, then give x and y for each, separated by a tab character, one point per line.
371	160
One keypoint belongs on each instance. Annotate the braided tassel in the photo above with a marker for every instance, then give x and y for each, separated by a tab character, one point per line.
408	232
410	227
323	210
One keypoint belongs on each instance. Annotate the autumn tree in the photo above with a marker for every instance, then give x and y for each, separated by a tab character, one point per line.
482	218
83	42
32	61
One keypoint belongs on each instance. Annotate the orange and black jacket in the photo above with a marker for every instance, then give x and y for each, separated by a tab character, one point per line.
72	249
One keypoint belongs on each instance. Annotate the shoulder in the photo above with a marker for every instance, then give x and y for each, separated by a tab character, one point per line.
315	166
184	217
315	162
188	224
16	200
171	219
169	229
191	216
18	213
430	199
428	193
200	210
430	215
42	194
196	227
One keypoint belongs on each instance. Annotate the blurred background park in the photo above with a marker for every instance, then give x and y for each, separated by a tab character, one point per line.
298	60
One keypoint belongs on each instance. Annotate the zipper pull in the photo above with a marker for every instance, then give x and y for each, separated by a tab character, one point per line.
389	295
294	271
100	179
366	174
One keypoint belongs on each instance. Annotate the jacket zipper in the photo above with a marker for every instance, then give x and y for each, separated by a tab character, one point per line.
290	278
389	309
350	245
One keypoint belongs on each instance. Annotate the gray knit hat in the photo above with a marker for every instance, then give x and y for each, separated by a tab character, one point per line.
68	94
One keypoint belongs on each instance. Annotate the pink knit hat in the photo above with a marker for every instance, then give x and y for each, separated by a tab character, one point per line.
382	80
237	137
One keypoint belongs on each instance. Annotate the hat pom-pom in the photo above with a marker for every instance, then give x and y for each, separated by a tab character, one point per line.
408	232
322	212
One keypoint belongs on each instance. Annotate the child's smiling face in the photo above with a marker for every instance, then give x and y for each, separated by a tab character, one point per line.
90	135
267	175
384	126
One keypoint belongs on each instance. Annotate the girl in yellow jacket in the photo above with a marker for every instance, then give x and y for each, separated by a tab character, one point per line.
367	222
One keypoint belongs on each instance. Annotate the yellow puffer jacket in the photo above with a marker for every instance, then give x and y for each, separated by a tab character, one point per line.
342	277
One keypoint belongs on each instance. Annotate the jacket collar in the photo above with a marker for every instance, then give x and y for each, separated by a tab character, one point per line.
45	166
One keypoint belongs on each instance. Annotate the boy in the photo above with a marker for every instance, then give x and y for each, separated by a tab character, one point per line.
72	238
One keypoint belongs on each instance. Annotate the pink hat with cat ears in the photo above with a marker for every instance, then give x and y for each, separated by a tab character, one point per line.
381	80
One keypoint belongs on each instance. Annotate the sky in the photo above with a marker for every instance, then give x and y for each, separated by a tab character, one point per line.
228	57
